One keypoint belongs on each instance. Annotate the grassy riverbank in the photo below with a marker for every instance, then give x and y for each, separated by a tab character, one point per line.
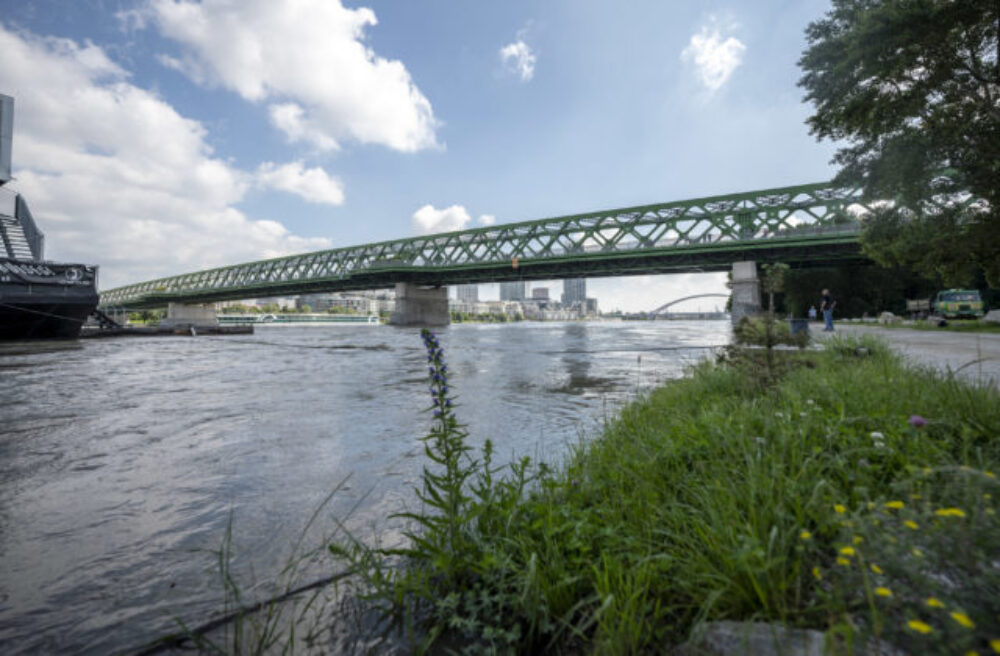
841	493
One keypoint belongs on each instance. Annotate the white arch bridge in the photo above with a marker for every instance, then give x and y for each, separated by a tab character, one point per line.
663	308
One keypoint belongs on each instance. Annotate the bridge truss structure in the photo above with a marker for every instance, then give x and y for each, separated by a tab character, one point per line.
812	224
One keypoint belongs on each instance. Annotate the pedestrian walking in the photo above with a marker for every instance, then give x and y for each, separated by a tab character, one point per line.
812	313
826	307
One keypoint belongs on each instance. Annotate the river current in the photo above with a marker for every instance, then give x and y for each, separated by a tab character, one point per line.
123	461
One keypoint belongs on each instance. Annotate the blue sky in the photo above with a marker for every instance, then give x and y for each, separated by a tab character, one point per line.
156	137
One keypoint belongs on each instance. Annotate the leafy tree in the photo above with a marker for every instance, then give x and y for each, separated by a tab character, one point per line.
913	88
859	290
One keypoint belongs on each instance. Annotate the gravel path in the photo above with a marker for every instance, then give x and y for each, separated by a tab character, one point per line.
973	356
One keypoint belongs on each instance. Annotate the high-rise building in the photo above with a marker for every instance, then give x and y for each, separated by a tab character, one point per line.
513	291
574	291
467	293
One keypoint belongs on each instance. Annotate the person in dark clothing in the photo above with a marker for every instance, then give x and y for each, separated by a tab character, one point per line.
826	306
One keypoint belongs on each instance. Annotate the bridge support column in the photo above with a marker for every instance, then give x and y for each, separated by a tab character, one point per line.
746	291
420	306
182	315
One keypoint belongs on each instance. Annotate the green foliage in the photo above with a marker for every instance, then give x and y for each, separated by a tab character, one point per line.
450	581
481	317
859	290
753	331
713	498
920	561
913	87
146	316
773	279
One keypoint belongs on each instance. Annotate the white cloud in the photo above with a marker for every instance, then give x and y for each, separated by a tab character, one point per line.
487	219
309	60
518	58
428	220
714	58
115	176
314	185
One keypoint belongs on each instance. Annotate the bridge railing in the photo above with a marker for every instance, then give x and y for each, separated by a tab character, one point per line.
805	212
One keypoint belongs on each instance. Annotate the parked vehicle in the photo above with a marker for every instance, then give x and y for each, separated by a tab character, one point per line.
919	308
948	304
959	303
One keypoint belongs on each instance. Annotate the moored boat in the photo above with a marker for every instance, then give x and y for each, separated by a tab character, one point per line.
39	299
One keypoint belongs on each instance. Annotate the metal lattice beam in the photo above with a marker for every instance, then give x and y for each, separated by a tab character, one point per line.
814	223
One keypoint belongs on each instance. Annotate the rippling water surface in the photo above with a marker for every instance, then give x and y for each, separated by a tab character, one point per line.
122	460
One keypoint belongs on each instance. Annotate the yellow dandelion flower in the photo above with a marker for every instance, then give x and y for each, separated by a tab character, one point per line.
875	568
858	539
843	561
839	509
972	652
911	524
963	619
989	473
987	496
805	535
847	551
934	602
916	497
995	645
949	512
816	574
919	627
883	592
916	551
895	505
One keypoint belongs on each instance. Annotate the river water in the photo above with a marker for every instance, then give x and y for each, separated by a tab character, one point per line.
123	461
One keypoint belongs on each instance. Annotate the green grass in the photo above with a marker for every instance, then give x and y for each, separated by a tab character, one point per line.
726	495
954	326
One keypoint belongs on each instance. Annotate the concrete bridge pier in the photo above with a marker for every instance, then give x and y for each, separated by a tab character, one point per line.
746	291
183	315
420	306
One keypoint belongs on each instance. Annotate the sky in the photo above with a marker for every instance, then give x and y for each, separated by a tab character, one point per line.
159	137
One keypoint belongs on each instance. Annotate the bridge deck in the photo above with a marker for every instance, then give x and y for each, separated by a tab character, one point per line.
806	225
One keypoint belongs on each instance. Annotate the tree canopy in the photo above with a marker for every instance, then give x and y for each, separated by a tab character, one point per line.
912	88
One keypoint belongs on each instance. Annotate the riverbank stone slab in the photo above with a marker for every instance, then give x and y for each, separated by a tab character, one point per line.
752	639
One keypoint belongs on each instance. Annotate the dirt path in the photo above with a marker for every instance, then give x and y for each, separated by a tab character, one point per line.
973	356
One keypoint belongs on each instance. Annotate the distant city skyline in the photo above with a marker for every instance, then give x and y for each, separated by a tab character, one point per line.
513	291
467	293
574	291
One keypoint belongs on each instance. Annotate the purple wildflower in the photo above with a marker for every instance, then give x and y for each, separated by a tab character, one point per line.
917	421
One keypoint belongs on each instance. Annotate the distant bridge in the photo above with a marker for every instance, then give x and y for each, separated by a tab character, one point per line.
663	308
805	225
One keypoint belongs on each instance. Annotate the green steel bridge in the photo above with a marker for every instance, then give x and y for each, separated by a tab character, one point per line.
805	225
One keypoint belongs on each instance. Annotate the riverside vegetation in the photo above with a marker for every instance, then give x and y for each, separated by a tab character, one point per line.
842	491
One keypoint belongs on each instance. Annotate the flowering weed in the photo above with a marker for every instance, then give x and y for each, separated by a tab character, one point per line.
816	500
